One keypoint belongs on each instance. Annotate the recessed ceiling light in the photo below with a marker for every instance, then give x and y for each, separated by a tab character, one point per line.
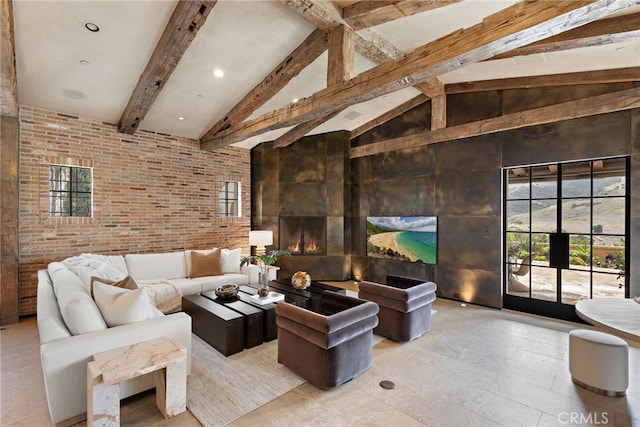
295	100
180	118
83	62
218	72
92	27
199	96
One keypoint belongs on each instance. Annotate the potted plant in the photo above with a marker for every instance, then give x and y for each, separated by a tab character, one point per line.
264	261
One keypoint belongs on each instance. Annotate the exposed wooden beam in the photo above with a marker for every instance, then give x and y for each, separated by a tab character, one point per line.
601	104
616	75
339	68
302	129
307	52
518	25
186	20
598	165
391	114
519	171
606	31
439	112
341	55
375	48
368	43
9	103
368	13
327	16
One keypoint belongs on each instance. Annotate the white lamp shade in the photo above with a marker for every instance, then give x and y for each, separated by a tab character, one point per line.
260	237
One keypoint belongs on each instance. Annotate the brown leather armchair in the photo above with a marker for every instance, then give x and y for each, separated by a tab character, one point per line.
405	306
329	347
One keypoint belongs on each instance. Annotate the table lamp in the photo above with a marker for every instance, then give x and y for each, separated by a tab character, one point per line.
260	239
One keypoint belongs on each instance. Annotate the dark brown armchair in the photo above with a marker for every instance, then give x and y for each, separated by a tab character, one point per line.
405	306
330	347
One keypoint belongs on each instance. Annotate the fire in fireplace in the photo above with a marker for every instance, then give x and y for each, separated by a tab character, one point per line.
303	235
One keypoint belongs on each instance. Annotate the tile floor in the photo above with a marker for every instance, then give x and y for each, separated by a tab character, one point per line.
477	367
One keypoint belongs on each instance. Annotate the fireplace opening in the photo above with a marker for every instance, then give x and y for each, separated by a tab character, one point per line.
303	235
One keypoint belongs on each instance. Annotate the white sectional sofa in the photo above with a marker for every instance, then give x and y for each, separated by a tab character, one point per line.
72	329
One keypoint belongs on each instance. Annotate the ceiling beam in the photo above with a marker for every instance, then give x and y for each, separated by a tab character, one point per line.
368	13
292	135
606	31
327	16
341	55
339	68
186	20
307	52
616	75
9	103
518	25
391	114
601	104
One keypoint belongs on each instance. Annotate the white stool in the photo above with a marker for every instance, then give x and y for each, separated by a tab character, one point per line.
599	362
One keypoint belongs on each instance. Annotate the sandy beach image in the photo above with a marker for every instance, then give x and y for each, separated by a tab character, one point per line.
388	241
385	240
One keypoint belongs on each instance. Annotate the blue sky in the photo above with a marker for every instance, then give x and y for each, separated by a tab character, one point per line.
406	223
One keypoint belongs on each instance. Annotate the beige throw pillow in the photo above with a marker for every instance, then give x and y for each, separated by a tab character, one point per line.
126	283
122	306
206	264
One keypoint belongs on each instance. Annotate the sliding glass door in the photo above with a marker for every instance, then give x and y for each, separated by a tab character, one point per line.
566	232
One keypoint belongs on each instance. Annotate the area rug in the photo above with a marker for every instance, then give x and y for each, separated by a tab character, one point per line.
222	389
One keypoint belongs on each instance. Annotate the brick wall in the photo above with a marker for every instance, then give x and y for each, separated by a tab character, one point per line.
151	192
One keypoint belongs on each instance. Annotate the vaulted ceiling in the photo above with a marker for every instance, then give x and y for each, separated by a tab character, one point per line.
349	65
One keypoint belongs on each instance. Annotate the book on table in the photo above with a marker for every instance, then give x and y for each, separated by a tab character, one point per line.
269	298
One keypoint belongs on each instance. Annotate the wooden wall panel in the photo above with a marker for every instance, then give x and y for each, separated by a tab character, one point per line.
9	208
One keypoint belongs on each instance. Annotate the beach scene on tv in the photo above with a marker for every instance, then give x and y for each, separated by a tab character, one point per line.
404	238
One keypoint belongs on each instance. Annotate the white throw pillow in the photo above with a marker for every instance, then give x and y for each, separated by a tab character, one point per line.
230	259
121	306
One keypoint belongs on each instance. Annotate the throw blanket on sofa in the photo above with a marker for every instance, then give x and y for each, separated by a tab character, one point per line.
107	267
165	295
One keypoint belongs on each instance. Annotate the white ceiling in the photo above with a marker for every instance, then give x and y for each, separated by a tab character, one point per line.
246	39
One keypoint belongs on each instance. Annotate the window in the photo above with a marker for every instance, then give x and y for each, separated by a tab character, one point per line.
229	199
70	191
566	233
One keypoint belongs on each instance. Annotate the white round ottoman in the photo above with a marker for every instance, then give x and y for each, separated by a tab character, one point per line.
599	362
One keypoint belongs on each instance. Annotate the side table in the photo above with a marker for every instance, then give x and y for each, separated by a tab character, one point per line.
107	370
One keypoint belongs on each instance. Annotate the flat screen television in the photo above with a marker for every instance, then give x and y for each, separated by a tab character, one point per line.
404	238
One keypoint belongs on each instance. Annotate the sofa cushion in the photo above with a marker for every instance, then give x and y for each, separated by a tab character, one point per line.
168	265
206	265
187	286
120	306
231	260
78	310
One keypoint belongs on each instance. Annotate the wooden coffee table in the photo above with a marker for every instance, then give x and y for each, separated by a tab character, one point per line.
231	326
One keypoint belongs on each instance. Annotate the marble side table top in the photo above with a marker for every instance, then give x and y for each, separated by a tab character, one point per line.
137	359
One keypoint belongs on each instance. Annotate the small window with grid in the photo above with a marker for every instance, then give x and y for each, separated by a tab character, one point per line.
70	191
229	199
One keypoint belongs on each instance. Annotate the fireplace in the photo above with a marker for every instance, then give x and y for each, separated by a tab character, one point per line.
303	235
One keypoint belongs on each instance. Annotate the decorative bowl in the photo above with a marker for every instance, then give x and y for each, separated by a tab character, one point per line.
228	291
300	280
